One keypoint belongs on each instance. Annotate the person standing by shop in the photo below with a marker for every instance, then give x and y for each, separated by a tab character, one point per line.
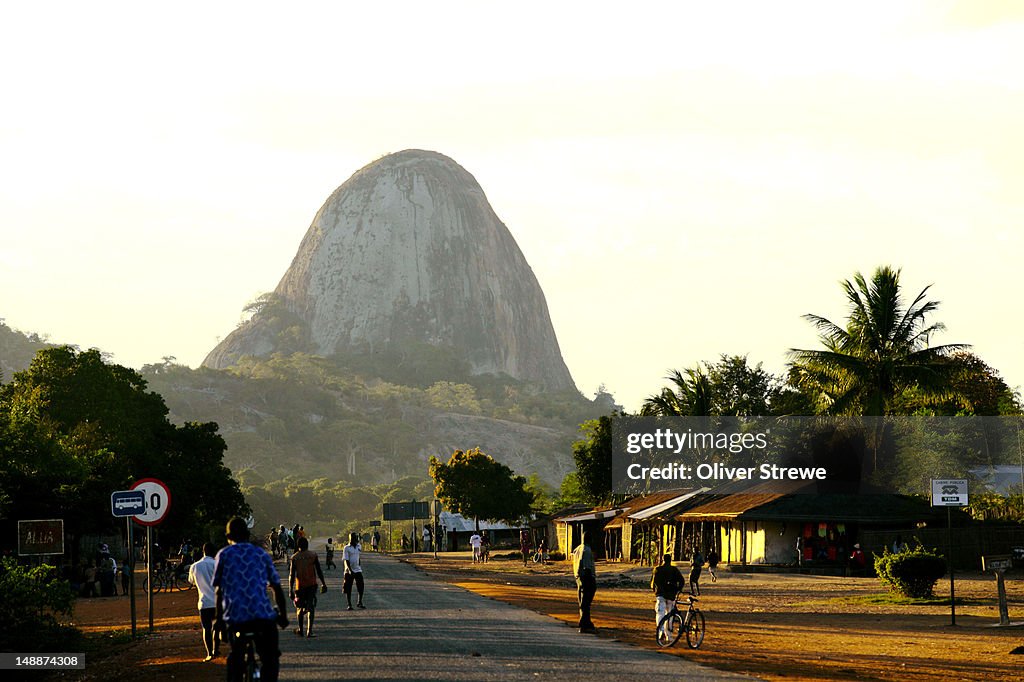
525	546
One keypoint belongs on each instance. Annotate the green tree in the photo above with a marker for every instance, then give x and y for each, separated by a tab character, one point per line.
740	390
979	389
570	492
881	352
593	456
84	428
477	486
690	395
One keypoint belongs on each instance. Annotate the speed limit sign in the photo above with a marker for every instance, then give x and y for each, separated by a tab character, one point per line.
157	499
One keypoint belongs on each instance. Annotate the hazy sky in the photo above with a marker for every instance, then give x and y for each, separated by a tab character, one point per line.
685	181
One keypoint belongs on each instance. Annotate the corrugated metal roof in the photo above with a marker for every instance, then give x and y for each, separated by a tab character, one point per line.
729	507
869	507
595	515
666	505
643	504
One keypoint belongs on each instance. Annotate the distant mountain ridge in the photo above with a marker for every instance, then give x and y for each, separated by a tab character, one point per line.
408	251
17	350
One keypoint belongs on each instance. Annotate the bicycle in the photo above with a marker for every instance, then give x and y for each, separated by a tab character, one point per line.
167	579
251	669
540	557
674	623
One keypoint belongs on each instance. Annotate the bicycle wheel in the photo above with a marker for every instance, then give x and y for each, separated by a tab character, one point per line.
251	670
181	583
670	627
695	629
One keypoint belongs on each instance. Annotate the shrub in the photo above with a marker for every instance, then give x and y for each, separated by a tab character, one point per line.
32	599
912	572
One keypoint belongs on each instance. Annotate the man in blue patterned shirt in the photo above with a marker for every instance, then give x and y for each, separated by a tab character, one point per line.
240	579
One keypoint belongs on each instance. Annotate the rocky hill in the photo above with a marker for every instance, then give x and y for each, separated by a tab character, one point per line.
407	252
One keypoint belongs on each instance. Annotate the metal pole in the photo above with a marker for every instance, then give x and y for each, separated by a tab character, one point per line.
952	595
131	573
149	573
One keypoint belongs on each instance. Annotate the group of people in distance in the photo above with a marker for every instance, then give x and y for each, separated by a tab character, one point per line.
232	586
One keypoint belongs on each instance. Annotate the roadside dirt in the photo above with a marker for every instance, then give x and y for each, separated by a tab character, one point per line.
776	627
781	627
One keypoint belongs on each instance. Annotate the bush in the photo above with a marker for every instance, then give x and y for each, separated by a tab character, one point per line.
32	599
912	572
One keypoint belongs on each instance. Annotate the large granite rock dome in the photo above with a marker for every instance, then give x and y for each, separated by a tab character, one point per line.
409	249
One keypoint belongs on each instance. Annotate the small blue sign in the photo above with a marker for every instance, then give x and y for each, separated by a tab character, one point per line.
127	502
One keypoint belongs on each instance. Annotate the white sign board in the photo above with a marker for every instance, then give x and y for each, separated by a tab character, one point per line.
949	492
157	498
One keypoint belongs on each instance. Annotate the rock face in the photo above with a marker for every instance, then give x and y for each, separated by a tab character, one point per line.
409	249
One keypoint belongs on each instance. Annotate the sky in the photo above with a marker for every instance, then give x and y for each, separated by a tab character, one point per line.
685	179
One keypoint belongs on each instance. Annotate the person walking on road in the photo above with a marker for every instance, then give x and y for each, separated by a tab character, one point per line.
695	565
329	551
240	579
200	574
713	564
476	542
375	541
303	571
585	572
667	582
353	571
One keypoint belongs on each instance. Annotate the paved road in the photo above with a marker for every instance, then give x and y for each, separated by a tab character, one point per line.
460	636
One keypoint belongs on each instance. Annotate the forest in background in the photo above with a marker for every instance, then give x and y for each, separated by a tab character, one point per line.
324	442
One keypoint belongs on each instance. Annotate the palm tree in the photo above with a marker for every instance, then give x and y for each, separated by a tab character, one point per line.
882	351
692	396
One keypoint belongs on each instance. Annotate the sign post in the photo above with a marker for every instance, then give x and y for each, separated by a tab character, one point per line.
404	511
128	503
998	563
41	538
950	493
157	499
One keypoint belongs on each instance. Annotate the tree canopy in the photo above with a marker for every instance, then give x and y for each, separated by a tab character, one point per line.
73	429
477	486
881	352
593	456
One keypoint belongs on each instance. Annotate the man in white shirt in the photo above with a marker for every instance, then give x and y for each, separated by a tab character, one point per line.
200	574
476	541
353	571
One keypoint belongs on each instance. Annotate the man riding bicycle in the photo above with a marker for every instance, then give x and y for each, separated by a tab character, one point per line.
240	579
667	582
